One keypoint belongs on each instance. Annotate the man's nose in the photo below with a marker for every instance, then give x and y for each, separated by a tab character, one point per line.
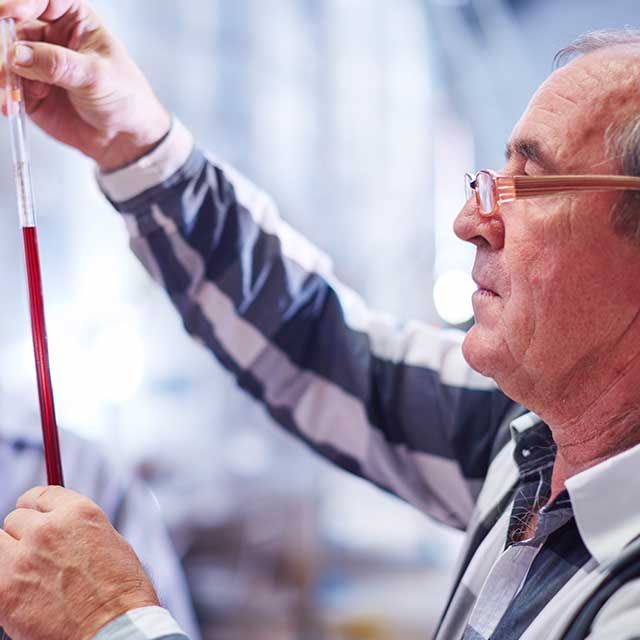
480	230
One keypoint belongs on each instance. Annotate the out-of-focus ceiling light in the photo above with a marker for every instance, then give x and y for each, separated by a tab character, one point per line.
452	296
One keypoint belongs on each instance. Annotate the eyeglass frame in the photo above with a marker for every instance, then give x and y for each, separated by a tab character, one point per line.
508	188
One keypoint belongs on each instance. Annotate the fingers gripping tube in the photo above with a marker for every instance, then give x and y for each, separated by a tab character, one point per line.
17	121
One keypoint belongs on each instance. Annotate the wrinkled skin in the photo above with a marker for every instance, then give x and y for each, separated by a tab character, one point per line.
64	571
82	88
562	334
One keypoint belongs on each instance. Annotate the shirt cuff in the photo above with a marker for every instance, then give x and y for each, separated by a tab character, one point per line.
150	170
146	623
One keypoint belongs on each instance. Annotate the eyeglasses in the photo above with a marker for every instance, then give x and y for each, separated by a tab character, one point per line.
491	190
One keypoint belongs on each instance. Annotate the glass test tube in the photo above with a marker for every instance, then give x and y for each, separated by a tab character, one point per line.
17	120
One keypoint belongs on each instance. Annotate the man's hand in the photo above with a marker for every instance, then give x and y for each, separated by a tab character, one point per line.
64	571
81	86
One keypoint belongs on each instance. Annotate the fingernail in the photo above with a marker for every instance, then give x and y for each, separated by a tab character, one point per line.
22	55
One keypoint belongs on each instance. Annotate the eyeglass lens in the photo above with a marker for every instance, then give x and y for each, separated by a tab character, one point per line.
485	191
468	191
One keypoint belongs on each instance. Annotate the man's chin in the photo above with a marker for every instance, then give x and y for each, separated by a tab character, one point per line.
477	351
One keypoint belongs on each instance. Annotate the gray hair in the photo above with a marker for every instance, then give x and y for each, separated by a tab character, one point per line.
622	139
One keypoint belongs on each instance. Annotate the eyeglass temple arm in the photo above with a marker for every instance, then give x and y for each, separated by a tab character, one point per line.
522	186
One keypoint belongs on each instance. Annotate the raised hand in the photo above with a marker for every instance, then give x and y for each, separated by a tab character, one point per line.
81	87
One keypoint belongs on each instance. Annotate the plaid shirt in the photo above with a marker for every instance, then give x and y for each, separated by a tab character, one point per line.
397	405
531	588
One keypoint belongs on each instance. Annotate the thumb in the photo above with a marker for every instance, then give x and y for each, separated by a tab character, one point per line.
53	64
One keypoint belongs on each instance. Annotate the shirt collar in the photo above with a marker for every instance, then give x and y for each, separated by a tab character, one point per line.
534	448
602	497
522	424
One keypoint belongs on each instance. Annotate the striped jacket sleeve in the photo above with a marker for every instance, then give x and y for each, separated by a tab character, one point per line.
395	404
620	617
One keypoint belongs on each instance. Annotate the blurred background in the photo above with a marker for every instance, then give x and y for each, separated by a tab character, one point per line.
360	117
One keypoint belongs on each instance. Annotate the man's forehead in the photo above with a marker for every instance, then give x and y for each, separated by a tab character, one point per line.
566	120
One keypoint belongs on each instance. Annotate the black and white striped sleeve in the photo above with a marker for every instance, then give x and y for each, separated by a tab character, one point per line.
397	405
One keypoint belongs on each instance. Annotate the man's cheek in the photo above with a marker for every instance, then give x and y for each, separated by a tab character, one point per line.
519	325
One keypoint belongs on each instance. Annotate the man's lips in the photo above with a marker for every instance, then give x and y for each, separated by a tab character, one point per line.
481	291
484	287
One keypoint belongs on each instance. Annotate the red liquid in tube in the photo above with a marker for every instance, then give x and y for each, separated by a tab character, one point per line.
43	373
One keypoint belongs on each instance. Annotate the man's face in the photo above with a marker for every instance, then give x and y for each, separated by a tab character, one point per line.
558	289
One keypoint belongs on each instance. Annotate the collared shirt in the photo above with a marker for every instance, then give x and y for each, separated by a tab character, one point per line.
528	573
397	405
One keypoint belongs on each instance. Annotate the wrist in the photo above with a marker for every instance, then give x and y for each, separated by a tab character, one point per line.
117	607
125	148
147	622
168	157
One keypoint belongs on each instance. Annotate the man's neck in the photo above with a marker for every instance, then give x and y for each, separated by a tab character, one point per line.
595	424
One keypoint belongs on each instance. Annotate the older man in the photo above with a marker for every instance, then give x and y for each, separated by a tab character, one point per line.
547	508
